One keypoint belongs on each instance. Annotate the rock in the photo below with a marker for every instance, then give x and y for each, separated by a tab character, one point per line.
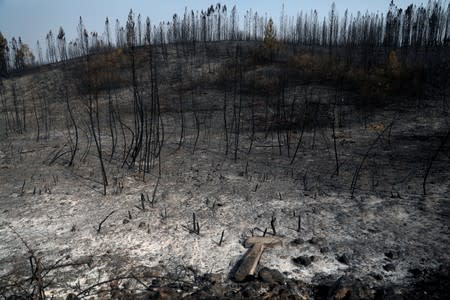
377	276
389	267
213	278
297	242
302	260
325	249
342	293
270	276
392	254
344	259
214	290
72	296
322	289
156	281
251	290
141	225
348	287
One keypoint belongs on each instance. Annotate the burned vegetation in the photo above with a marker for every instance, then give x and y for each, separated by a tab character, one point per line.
143	167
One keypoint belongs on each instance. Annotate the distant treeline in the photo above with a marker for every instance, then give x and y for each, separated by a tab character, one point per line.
410	29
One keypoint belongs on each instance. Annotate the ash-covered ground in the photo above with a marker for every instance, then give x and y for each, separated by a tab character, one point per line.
384	234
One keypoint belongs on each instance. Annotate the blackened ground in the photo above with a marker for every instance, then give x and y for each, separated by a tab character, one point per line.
271	284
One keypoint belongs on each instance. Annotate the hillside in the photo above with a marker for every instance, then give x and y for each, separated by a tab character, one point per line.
141	171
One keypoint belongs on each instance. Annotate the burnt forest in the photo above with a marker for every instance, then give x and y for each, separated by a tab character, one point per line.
221	155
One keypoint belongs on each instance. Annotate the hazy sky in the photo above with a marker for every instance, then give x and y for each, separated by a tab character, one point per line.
32	19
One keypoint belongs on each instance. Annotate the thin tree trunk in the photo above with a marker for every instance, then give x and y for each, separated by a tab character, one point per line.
225	120
75	148
303	128
16	109
433	158
37	120
358	169
334	134
97	139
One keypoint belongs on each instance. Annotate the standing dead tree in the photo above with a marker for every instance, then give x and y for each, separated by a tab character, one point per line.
5	110
138	109
73	142
38	127
179	76
93	71
333	126
93	111
359	168
433	159
154	126
16	110
237	85
299	142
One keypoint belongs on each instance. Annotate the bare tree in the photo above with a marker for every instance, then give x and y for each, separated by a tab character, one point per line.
3	55
62	48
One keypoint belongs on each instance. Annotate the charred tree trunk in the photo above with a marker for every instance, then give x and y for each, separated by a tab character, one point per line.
225	120
433	158
37	120
96	133
74	123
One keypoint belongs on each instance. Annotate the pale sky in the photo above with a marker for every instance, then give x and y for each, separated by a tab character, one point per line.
32	19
